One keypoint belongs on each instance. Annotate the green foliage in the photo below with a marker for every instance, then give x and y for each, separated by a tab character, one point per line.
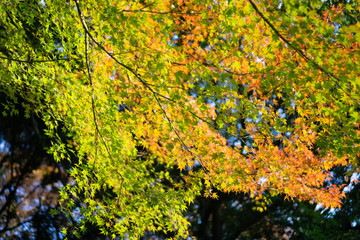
167	101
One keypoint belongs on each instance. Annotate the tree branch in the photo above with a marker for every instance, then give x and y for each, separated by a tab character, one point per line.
302	53
32	61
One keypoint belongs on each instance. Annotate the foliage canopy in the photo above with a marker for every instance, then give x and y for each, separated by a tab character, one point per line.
239	96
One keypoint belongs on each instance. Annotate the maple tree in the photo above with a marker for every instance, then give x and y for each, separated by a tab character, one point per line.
237	96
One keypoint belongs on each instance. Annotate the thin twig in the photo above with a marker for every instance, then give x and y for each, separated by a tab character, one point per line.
155	12
32	61
178	135
93	107
97	131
